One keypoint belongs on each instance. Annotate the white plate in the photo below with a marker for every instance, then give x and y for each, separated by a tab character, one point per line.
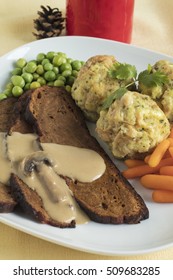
150	235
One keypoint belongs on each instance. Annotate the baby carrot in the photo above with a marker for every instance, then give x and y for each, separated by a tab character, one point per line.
162	196
146	159
133	162
171	141
141	170
166	170
158	153
171	133
138	171
159	182
171	151
166	155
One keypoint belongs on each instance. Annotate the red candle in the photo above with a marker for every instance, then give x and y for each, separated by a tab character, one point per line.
109	19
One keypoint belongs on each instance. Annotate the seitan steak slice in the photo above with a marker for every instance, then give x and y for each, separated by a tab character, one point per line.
110	199
32	203
6	113
28	199
18	122
7	203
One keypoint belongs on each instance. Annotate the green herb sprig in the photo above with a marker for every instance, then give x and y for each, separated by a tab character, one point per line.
124	71
114	96
152	79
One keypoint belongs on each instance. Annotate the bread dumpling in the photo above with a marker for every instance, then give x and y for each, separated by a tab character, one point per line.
133	125
94	84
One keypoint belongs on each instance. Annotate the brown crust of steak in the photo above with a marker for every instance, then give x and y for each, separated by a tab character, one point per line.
32	204
6	113
18	123
7	202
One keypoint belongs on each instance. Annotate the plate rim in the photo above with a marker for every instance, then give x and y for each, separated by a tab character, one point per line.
79	248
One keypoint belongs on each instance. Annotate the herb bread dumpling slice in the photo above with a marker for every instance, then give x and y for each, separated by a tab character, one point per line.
157	81
133	125
95	83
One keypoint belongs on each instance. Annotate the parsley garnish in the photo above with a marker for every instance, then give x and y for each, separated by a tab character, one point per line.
120	71
114	96
124	71
152	79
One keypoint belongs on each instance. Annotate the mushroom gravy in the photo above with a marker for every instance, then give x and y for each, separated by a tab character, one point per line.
42	167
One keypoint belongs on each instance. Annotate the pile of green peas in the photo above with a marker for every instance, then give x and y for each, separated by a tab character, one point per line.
53	69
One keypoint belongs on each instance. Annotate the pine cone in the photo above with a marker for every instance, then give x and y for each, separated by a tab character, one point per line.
50	23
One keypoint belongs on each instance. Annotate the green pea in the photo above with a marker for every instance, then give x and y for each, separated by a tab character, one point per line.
2	96
53	68
31	67
50	84
75	73
58	83
58	60
44	61
27	86
56	70
65	66
24	70
33	60
18	81
35	76
34	85
9	86
40	69
41	81
28	77
76	65
68	88
40	57
70	80
62	54
48	66
60	77
66	73
49	76
21	62
17	71
8	92
17	91
69	60
50	55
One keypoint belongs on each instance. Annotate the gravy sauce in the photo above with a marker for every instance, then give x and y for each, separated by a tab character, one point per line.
5	164
79	164
41	170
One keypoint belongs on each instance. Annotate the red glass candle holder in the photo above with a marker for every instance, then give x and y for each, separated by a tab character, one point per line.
109	19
